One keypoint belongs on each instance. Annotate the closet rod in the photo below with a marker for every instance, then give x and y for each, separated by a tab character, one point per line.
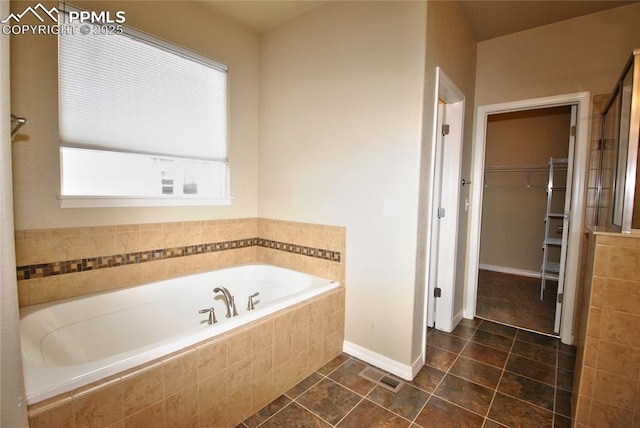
515	168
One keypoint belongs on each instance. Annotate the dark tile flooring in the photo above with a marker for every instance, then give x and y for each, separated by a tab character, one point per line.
515	300
482	374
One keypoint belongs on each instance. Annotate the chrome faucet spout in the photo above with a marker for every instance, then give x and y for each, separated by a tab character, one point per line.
228	300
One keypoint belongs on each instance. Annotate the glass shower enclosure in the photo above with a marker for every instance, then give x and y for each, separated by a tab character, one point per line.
619	209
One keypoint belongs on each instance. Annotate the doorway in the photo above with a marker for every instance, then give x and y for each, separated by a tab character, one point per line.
574	227
444	206
528	156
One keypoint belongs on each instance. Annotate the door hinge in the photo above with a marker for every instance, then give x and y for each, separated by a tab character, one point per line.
573	131
440	212
560	298
445	130
437	292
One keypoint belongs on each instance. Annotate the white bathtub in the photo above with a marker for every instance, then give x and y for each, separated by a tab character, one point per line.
74	342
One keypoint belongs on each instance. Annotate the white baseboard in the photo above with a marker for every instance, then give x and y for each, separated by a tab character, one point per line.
513	271
380	361
457	318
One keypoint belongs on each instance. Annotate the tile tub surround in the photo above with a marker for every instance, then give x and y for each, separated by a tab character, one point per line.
216	383
55	264
606	390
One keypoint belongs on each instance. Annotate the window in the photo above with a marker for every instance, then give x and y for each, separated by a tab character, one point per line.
141	122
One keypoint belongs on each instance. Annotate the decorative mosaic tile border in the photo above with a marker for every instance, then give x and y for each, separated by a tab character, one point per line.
103	262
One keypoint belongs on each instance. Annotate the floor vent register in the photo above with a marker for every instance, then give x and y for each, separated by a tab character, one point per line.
378	377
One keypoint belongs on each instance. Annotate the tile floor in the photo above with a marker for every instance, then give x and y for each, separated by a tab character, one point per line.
483	374
515	300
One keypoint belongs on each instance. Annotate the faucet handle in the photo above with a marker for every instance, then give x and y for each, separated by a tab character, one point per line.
212	315
250	304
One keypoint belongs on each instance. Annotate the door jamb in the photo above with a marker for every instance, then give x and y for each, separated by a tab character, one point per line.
448	92
583	100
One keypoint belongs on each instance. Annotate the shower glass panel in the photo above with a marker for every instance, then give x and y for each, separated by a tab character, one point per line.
619	151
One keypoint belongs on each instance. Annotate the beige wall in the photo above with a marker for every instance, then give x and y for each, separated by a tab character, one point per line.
512	213
581	54
341	108
451	46
12	411
34	95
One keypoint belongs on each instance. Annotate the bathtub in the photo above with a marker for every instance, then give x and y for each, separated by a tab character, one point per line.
74	342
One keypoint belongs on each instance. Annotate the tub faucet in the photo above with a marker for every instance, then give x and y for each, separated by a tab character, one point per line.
212	315
228	300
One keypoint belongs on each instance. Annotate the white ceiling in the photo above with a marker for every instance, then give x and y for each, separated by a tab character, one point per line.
487	18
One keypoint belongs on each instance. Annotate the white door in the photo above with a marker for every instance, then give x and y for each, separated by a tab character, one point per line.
565	222
445	205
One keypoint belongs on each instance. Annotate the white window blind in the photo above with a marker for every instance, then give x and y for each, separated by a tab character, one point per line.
128	101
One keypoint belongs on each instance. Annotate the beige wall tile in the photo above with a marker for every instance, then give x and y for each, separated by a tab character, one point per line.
300	319
623	296
262	390
239	405
192	422
282	377
262	335
315	333
57	416
300	340
215	416
316	311
332	345
582	410
601	261
238	345
209	231
141	389
282	351
299	364
99	407
172	235
261	363
588	379
591	347
334	240
623	263
619	359
314	357
151	236
180	372
97	244
152	416
606	415
23	293
192	233
304	236
598	291
212	358
282	326
181	406
239	375
128	242
212	390
614	390
620	327
594	322
629	241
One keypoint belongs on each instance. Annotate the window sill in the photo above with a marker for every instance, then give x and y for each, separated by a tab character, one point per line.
136	201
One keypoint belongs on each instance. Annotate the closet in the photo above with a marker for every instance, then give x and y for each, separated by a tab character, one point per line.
523	216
